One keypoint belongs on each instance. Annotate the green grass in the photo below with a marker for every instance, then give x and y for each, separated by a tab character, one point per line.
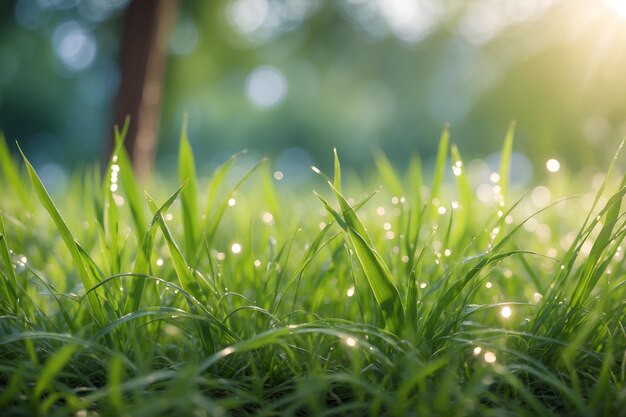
231	294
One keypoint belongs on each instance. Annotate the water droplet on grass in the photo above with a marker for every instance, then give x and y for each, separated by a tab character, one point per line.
236	248
350	291
350	341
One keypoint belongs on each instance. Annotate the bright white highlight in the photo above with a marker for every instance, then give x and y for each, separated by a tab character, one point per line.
506	312
553	165
490	357
236	248
619	6
351	341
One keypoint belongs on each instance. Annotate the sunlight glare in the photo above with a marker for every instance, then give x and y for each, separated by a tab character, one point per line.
618	6
553	165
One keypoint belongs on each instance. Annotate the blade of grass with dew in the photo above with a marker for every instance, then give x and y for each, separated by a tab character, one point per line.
376	271
453	291
465	196
557	283
588	277
88	281
189	196
142	261
439	171
315	247
183	272
110	215
211	224
129	182
505	161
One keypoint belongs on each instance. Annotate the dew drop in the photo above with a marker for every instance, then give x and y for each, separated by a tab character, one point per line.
350	291
351	341
236	248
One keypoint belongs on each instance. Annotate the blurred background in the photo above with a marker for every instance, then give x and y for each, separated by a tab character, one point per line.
290	79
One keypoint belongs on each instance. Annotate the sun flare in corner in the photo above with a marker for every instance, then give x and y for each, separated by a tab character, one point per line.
619	6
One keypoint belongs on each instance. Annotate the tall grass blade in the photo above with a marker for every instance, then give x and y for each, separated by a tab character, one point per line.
337	171
376	271
52	367
505	161
462	214
183	272
142	261
439	170
129	182
10	287
189	197
11	172
86	278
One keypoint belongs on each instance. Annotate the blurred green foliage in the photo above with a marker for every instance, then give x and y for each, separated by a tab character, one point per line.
292	78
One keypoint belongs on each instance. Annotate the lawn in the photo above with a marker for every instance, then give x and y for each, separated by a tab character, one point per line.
236	293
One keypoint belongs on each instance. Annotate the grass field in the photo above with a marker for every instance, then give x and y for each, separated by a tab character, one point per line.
237	294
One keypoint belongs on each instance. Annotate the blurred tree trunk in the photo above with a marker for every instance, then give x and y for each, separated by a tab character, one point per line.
143	51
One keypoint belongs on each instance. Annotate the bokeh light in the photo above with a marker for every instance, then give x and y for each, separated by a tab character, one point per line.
266	87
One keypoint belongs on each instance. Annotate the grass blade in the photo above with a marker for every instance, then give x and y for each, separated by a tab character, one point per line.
52	367
11	172
189	197
465	196
129	182
376	271
505	161
86	278
439	171
11	285
142	262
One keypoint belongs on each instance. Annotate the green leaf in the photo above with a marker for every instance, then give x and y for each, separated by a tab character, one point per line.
87	280
52	367
10	286
465	196
337	177
376	271
505	161
440	170
189	198
142	262
11	172
128	180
